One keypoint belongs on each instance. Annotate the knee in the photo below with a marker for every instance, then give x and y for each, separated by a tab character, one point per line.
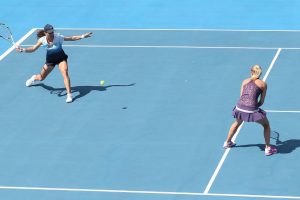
65	73
236	124
266	125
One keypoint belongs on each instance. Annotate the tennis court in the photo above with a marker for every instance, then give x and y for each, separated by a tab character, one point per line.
155	129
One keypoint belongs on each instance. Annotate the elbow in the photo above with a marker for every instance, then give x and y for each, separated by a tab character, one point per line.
260	103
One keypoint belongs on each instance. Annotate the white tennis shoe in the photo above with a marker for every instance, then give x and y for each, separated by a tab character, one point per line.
270	151
228	144
69	98
30	81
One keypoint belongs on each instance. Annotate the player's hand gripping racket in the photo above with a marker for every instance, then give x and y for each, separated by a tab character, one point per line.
6	34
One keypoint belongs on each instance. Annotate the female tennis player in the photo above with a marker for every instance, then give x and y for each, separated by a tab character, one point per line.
247	109
55	55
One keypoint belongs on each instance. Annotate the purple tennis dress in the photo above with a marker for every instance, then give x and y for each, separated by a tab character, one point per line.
247	107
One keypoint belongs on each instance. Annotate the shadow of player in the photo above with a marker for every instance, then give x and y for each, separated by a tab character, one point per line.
82	90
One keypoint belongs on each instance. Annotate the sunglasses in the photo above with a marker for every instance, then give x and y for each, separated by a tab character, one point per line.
50	32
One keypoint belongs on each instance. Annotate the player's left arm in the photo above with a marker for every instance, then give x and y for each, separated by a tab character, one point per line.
78	37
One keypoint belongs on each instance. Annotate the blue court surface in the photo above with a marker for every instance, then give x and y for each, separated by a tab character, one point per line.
155	130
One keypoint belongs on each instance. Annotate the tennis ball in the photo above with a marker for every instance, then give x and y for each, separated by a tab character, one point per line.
102	82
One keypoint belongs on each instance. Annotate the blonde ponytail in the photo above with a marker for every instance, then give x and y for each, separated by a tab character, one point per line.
255	72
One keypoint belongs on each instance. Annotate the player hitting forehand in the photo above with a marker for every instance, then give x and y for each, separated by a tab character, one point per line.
55	55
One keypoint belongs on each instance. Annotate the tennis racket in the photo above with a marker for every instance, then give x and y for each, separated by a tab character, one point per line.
275	136
6	34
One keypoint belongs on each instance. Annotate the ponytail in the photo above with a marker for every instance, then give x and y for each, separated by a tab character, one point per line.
256	71
40	33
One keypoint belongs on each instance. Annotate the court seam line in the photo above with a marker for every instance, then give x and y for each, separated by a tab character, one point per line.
146	192
8	51
220	164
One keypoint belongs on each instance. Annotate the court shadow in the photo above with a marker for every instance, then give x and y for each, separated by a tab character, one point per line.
288	146
260	146
82	90
283	147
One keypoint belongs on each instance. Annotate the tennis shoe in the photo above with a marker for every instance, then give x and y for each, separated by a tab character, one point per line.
30	81
228	144
69	98
270	151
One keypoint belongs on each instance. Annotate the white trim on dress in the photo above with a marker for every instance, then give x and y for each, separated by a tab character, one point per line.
246	111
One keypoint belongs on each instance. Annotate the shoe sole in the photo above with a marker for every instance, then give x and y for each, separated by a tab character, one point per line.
227	147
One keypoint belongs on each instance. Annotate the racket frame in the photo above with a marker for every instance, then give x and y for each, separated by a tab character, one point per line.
10	38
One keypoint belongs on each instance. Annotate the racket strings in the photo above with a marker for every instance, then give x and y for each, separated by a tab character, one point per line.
5	33
275	136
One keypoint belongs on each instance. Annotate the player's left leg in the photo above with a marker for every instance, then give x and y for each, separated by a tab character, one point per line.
269	150
63	68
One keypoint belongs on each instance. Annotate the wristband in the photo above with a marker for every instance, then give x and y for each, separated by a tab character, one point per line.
82	36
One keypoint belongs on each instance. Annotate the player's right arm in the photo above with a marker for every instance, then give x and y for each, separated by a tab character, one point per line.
30	49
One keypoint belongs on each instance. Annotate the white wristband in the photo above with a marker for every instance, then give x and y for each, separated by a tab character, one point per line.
82	36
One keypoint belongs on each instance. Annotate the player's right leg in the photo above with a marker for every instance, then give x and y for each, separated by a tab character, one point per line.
46	69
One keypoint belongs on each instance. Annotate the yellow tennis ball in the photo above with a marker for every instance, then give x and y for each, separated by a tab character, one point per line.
102	82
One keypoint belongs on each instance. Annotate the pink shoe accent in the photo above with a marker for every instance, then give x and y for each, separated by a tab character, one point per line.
228	144
270	151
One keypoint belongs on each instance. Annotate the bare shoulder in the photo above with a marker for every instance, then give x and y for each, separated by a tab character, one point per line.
261	84
246	81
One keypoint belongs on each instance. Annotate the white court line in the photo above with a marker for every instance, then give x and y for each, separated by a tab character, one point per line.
98	190
146	192
283	111
17	43
216	172
171	46
212	179
174	46
272	64
183	47
254	196
174	29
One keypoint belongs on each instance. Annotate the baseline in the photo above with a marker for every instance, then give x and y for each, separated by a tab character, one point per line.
146	192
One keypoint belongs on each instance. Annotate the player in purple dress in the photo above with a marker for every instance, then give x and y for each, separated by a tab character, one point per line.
247	109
